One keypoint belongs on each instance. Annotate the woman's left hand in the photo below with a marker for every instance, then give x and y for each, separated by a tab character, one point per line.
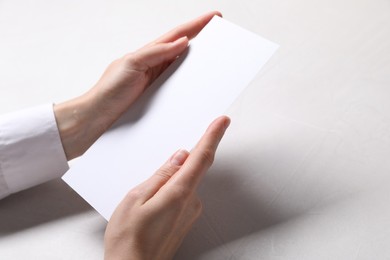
84	119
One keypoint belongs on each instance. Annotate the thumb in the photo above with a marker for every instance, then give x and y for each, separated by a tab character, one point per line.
162	175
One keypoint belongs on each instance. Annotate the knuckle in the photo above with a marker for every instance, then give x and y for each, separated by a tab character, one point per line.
179	194
207	156
197	207
129	58
164	173
133	60
133	195
114	64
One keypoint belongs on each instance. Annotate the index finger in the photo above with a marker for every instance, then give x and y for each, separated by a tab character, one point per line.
202	156
189	29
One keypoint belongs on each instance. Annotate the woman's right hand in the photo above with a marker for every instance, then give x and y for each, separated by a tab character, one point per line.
152	220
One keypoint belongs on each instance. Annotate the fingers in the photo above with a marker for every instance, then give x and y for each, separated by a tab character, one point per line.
162	175
202	156
169	46
189	29
184	169
154	55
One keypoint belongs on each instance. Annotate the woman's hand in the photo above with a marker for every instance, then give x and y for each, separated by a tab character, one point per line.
152	220
84	119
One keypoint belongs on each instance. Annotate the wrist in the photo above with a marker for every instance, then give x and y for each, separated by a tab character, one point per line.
78	125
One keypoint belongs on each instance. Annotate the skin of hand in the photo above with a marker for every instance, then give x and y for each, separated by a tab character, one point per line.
81	121
154	217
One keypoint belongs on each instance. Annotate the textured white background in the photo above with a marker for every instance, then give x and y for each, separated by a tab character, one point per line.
304	171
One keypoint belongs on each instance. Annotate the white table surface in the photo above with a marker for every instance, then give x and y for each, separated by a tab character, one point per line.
304	170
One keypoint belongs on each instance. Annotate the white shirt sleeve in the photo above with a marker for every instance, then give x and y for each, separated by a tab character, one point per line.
31	151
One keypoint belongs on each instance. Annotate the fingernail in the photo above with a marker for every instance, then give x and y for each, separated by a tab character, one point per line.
182	39
227	123
179	157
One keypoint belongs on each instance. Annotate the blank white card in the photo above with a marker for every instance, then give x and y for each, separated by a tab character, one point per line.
173	113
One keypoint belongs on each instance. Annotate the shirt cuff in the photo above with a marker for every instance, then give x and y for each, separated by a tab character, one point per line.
31	151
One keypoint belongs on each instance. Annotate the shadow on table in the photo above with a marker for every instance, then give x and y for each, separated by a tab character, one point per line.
47	202
235	207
